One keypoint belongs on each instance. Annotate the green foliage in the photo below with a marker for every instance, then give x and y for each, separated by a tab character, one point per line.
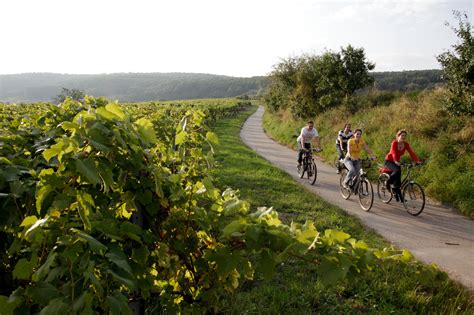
309	85
458	69
76	176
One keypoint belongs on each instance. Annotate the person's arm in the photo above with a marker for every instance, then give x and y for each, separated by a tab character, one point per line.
412	154
318	142
369	151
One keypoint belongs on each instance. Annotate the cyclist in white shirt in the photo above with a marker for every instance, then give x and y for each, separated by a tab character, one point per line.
305	138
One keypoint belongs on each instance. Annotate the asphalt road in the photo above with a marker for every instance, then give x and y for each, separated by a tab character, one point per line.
438	235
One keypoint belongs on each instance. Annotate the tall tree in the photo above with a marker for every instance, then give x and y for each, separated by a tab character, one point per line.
458	69
311	84
356	70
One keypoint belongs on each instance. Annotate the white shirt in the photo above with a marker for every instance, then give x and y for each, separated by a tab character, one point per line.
307	134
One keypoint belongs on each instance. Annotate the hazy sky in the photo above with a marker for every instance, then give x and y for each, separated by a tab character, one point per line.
230	37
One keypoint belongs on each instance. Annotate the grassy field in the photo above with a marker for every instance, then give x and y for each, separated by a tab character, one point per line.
391	288
443	142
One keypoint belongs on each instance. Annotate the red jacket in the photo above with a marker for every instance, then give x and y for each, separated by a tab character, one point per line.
395	154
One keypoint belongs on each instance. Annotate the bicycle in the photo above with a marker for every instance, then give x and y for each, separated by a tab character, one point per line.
412	192
308	166
359	184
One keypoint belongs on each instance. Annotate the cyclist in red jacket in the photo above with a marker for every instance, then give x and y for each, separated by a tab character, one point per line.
392	161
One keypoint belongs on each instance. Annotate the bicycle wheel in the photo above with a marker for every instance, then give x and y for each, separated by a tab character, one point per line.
345	193
414	198
366	194
312	172
385	195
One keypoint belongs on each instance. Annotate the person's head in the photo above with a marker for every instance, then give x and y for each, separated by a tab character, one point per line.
401	135
310	124
347	128
358	133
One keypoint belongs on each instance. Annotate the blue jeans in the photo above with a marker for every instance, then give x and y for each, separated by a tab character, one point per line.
353	168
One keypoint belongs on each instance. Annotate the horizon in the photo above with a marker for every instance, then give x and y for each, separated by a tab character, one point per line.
199	73
237	39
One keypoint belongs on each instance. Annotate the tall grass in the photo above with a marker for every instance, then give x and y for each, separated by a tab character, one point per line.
390	288
444	142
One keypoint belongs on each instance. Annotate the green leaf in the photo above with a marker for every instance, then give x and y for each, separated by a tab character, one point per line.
140	254
128	282
58	306
28	221
115	109
5	160
84	208
44	269
180	137
96	246
5	307
43	293
122	263
88	169
41	195
266	264
334	236
234	228
212	137
118	304
53	151
146	130
329	271
23	269
67	125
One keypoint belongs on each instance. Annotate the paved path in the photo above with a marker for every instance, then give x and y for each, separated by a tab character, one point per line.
437	235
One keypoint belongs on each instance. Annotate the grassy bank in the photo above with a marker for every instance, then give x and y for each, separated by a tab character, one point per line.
389	288
444	142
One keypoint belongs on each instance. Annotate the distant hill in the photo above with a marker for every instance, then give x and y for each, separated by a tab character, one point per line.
407	80
136	87
128	87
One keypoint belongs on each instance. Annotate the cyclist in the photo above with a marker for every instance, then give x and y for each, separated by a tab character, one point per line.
341	144
304	140
392	161
352	160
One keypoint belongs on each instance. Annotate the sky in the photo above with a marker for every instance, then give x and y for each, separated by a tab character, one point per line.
228	37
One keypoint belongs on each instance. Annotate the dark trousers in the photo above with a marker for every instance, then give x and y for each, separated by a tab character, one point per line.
340	152
396	176
300	152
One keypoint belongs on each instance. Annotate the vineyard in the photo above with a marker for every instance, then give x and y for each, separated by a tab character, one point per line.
106	207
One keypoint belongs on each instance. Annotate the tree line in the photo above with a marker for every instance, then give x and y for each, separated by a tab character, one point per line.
138	87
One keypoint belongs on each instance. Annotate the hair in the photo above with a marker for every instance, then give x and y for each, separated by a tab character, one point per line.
358	129
347	124
399	132
310	122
